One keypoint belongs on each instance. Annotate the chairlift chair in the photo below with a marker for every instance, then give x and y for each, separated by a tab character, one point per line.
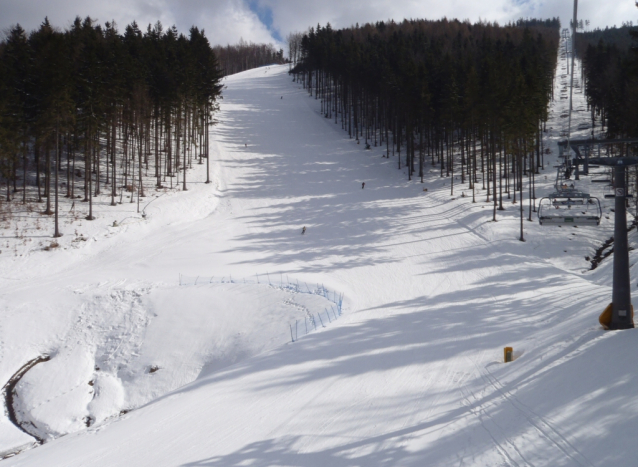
569	207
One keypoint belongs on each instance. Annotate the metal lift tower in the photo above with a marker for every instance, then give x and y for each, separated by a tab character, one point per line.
622	311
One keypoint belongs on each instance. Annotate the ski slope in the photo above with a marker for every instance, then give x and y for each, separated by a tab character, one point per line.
411	374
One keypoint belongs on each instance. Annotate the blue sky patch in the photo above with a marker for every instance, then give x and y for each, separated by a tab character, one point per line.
264	13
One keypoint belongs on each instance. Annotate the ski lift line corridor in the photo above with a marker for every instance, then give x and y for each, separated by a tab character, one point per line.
568	204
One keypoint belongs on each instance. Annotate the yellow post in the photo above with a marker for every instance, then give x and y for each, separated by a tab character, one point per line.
507	353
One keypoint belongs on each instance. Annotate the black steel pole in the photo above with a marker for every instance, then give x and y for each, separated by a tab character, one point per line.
622	316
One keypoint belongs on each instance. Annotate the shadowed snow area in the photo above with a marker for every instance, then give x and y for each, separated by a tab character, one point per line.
411	374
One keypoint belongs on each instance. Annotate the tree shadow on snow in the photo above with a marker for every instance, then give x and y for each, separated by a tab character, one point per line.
544	396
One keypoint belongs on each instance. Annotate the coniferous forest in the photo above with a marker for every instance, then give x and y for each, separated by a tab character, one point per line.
91	110
610	67
469	98
246	55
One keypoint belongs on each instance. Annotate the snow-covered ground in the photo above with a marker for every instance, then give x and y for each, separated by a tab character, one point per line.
410	374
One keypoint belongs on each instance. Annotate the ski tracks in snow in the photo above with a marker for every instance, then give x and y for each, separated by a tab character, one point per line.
541	425
6	314
119	350
116	335
113	344
2	351
57	396
291	302
505	446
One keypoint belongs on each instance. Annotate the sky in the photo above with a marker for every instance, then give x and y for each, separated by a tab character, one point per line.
270	21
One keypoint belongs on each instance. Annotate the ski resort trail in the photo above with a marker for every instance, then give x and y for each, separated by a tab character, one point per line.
412	373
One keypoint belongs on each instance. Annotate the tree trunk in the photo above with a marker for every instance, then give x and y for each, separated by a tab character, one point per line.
57	166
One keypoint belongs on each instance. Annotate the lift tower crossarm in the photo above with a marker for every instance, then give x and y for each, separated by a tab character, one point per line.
613	161
593	142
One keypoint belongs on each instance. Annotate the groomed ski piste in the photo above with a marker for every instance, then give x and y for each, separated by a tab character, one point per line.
144	370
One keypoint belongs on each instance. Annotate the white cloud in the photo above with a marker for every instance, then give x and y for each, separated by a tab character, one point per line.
294	15
225	21
291	15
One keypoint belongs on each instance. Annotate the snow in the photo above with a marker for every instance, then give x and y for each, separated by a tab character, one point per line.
410	374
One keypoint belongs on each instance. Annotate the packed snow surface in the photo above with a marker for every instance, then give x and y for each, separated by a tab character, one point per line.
410	374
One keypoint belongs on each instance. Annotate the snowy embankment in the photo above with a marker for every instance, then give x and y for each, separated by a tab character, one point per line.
411	374
130	345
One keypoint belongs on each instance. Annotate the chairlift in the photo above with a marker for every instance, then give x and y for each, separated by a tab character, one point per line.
569	207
